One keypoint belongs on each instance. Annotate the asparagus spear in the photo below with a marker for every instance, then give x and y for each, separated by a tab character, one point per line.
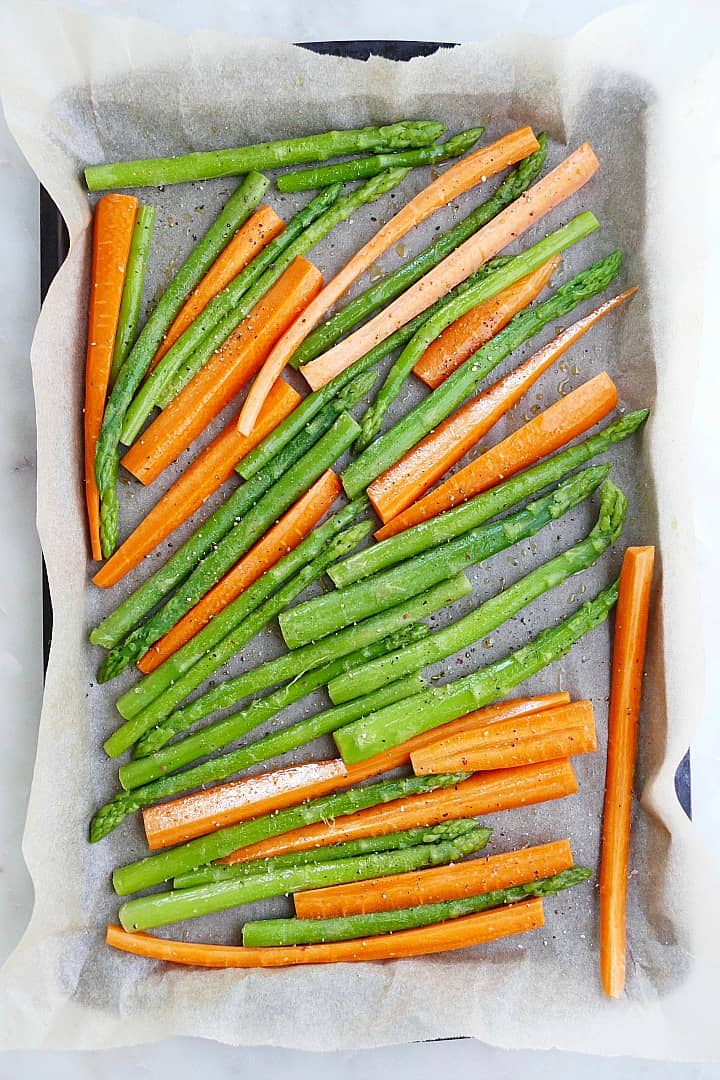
238	540
495	611
469	515
159	909
174	371
436	706
154	869
133	288
345	927
388	288
333	610
364	167
236	210
447	830
433	409
206	165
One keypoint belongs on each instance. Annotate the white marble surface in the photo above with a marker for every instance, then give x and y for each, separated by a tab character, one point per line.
20	586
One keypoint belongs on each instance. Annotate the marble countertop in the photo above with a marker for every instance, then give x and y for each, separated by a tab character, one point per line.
20	560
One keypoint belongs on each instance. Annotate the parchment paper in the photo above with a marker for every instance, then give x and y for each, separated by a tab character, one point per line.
78	90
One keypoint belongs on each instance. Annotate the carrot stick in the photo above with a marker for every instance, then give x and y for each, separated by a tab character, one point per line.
506	739
465	174
437	884
440	937
248	241
559	184
282	538
112	235
211	468
485	793
557	425
204	811
631	623
224	375
471	331
416	472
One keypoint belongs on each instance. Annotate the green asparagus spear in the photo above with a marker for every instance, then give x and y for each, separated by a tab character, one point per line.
364	167
333	610
388	288
159	909
133	289
206	165
365	845
440	704
495	611
238	540
236	210
154	869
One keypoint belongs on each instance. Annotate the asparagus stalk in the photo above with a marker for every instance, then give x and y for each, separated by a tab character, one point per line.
365	167
154	869
438	405
393	725
159	909
236	210
133	288
469	515
366	845
388	288
332	611
207	165
346	927
236	543
495	611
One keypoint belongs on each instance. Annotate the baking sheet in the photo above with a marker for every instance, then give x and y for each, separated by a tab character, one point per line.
154	93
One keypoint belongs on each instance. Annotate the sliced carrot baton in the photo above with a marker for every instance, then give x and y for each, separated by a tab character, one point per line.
112	236
210	470
416	472
224	375
436	884
465	174
631	624
563	421
295	524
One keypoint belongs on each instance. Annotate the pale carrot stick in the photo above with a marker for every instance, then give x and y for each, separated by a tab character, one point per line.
437	884
211	468
295	524
112	235
416	472
473	169
563	421
440	937
248	241
631	621
224	375
559	184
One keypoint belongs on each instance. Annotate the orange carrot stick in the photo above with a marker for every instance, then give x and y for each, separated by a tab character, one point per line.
506	739
559	184
471	331
112	235
631	622
248	241
295	524
204	811
557	425
473	169
211	468
226	372
426	463
440	937
437	884
485	793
